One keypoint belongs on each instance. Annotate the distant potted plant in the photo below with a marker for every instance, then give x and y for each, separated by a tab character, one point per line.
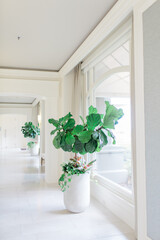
31	131
88	137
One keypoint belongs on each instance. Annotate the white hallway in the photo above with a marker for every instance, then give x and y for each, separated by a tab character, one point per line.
34	65
32	210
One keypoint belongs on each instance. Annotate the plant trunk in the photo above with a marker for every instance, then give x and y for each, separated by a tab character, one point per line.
75	156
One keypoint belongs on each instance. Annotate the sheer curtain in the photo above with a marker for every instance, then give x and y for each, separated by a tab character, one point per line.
78	93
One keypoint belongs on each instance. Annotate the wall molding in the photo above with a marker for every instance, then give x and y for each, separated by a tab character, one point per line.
29	74
3	105
118	37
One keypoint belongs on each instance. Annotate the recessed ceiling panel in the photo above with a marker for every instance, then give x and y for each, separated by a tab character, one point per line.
43	34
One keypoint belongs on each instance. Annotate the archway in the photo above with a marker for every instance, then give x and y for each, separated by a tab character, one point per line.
47	92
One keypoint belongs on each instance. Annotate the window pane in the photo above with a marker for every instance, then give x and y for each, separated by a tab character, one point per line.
118	58
99	70
114	161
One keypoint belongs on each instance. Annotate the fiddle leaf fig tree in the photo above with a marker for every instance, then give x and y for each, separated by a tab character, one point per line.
29	130
89	137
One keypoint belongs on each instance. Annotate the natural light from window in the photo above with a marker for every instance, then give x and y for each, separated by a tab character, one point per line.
114	162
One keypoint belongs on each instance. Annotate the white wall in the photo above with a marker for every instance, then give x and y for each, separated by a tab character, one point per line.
35	115
66	93
17	113
17	110
151	41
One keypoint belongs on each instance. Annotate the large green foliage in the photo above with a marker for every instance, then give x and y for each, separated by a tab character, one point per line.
89	137
29	130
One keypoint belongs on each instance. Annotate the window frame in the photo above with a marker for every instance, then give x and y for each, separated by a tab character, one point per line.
124	33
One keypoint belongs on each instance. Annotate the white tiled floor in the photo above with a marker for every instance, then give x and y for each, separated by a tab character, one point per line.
32	210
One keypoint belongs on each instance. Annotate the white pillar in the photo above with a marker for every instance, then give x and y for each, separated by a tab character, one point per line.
42	128
51	154
34	115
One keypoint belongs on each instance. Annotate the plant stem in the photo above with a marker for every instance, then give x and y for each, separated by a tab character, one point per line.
99	128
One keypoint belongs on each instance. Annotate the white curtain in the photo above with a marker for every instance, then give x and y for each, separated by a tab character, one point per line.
78	93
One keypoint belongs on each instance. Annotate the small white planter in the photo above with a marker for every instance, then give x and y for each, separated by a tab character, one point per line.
35	150
77	196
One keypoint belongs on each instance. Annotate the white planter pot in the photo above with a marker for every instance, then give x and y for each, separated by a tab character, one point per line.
77	196
35	150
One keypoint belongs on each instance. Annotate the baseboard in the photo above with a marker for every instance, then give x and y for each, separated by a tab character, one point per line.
120	207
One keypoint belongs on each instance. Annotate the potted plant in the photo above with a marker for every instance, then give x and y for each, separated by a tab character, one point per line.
88	137
31	131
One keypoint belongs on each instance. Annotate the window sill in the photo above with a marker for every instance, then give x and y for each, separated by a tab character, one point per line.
114	188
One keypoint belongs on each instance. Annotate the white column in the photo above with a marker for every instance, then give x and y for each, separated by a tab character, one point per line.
51	154
34	115
42	128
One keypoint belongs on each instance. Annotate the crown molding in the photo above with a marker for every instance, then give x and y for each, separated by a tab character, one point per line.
29	74
14	105
114	17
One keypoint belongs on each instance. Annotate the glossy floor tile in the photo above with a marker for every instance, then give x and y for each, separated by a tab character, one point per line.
32	210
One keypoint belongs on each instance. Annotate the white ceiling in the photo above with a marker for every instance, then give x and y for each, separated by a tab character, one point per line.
16	100
50	30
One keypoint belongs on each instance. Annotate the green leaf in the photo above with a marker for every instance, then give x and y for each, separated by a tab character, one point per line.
78	146
85	136
65	118
57	141
82	120
70	139
103	138
91	110
110	134
83	152
112	115
90	163
70	124
99	148
53	132
91	146
74	150
54	122
93	120
61	179
102	116
66	147
95	135
77	130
